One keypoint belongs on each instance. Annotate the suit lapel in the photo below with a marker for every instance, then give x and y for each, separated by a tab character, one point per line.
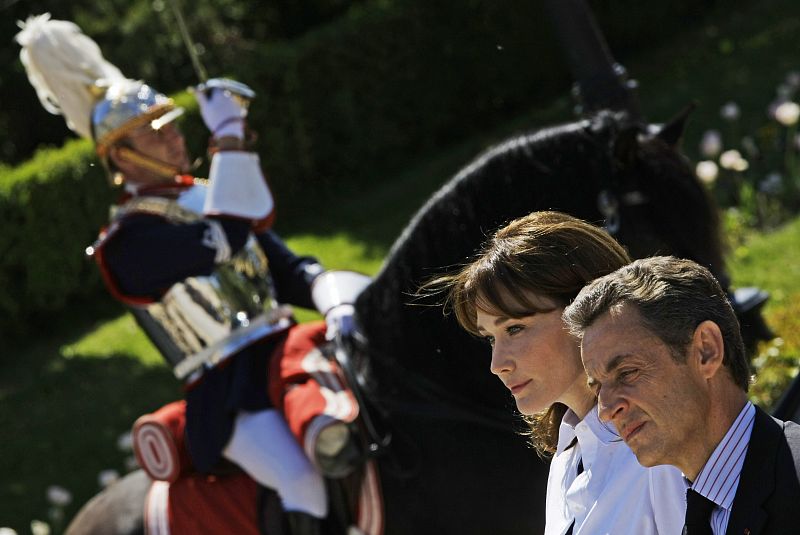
757	481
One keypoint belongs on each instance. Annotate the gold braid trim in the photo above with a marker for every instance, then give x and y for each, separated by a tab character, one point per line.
167	208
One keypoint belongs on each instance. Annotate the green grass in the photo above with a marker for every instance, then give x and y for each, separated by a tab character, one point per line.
780	247
772	261
66	396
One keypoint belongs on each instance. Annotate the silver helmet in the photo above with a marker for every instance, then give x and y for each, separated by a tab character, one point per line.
127	105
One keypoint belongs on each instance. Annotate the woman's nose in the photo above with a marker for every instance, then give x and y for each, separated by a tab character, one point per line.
501	361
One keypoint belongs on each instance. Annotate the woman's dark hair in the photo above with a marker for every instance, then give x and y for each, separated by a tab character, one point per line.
548	254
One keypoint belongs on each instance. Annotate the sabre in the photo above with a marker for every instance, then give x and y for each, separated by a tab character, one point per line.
199	70
237	88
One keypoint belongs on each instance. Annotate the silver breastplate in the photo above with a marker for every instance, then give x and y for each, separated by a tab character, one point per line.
202	320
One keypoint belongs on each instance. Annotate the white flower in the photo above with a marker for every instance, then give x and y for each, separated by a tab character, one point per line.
125	442
741	165
7	531
58	496
39	528
107	477
730	111
707	171
729	158
787	113
711	143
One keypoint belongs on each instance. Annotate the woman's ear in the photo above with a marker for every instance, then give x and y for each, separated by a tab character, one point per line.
708	348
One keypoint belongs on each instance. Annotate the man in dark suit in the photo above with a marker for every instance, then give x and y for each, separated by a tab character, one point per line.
663	352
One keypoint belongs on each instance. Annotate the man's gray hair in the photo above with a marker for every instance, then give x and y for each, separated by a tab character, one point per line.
672	296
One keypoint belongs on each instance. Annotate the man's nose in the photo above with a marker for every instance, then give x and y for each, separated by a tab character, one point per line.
610	404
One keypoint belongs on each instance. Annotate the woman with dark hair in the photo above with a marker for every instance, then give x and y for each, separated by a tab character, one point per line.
513	294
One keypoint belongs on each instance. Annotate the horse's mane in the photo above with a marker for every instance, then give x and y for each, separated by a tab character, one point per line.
558	168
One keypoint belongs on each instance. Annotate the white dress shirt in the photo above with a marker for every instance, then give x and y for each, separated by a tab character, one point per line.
614	495
719	478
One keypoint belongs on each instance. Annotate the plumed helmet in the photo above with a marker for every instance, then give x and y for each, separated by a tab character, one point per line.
72	79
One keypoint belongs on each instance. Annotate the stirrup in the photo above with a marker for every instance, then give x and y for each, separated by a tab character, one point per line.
155	449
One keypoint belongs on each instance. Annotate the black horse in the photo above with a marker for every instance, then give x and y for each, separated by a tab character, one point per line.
456	462
475	476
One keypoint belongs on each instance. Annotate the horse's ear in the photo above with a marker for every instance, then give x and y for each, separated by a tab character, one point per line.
672	132
626	146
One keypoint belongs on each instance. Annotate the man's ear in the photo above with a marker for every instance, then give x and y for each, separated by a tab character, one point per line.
708	348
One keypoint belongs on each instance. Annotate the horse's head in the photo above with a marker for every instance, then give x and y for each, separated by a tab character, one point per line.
654	203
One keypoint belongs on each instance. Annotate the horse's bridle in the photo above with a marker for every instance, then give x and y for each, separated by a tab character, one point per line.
608	204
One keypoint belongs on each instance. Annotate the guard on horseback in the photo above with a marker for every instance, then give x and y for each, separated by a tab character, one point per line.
205	277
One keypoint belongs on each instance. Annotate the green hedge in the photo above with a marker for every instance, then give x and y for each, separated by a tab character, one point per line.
340	107
349	103
50	210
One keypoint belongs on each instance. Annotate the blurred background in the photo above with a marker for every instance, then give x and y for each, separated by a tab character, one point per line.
364	108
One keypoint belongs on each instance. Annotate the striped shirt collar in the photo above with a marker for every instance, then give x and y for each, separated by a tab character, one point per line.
719	478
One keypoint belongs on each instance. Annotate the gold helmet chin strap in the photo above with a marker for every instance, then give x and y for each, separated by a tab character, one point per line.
151	164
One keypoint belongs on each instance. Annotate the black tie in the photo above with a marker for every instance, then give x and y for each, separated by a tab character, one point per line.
698	514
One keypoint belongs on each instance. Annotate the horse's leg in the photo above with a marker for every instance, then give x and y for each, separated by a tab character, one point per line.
118	510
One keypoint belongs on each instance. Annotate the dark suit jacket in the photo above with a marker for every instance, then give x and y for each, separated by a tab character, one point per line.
767	501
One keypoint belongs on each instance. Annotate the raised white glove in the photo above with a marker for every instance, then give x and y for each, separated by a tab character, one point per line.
333	293
223	110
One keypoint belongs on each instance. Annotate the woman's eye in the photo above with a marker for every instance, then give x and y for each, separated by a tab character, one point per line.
513	329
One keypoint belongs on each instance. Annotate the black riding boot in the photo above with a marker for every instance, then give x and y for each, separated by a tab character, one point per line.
300	523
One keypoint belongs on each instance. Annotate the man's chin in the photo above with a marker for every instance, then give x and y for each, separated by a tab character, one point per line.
645	457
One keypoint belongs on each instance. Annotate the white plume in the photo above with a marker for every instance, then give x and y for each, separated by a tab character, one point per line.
66	68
